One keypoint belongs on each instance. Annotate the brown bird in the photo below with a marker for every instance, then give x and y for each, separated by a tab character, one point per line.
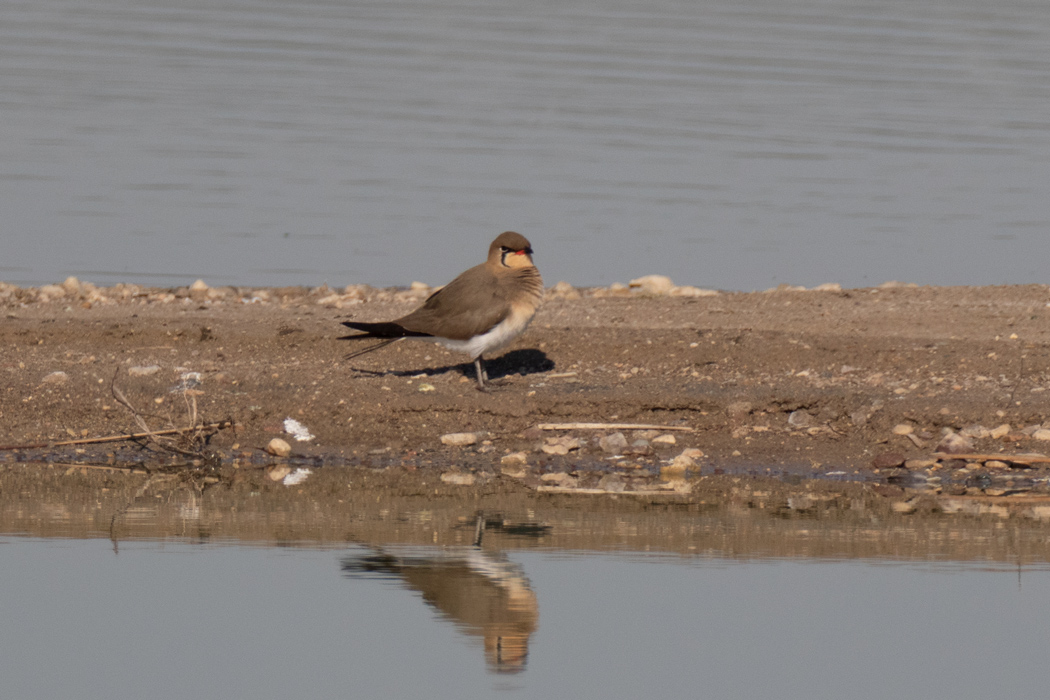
481	311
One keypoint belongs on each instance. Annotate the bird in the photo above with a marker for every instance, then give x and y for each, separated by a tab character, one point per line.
479	312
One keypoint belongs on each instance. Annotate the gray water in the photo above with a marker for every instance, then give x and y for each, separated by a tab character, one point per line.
175	620
726	144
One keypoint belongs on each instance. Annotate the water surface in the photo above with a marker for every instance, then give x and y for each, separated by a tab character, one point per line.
165	620
729	145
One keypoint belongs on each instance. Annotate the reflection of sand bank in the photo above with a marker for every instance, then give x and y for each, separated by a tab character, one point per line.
481	592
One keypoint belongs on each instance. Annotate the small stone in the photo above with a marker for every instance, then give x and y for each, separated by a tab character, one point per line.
954	444
563	290
278	473
514	459
666	440
688	291
52	291
458	478
560	445
995	464
828	287
613	444
903	429
56	378
143	370
858	418
977	432
1041	434
799	419
1000	432
903	507
459	439
653	284
424	388
199	286
72	286
888	460
611	482
279	448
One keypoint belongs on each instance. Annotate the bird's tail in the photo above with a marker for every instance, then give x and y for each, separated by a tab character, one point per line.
380	330
389	332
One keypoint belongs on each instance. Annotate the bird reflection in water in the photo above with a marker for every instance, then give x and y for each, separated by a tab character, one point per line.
481	591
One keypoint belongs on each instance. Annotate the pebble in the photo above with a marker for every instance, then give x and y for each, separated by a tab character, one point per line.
199	286
143	370
278	473
613	444
977	432
666	440
1041	434
953	443
279	448
653	284
688	291
72	286
903	429
459	439
995	464
297	477
458	478
514	459
1000	432
612	482
799	419
563	290
888	460
56	378
560	445
297	430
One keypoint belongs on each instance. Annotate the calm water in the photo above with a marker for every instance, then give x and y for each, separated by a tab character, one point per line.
173	620
727	144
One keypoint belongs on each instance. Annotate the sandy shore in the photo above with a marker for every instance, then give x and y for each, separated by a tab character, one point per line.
859	384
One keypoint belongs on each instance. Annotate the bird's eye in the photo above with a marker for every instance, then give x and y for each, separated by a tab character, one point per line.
504	248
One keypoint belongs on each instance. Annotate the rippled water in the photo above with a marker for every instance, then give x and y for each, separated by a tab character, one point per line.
170	619
725	144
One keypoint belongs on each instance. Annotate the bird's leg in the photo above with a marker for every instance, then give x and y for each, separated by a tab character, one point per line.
481	373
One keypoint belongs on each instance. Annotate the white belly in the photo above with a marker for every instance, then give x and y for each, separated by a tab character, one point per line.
501	335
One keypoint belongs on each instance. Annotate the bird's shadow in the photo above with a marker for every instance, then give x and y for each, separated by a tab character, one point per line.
520	362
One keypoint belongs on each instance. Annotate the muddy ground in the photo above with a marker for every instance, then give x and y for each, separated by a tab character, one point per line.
857	384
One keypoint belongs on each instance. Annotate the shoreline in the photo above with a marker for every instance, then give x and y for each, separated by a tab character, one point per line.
860	384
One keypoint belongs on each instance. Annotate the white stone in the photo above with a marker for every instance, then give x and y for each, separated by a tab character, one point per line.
199	286
459	439
688	291
903	429
666	440
297	430
143	370
458	478
653	284
560	445
1041	434
56	378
